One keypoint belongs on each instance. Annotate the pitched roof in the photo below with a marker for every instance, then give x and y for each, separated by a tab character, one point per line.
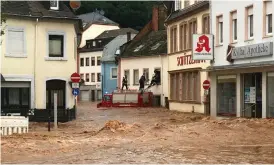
95	18
154	43
203	4
36	9
116	32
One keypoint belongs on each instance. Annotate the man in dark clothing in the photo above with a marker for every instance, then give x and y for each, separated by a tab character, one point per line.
155	79
124	82
142	83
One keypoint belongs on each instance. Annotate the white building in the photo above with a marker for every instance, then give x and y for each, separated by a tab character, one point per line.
94	24
144	54
242	74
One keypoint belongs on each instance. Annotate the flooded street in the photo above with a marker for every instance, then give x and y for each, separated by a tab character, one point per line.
143	135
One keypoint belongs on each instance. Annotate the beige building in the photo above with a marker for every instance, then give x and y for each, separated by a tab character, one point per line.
38	55
186	75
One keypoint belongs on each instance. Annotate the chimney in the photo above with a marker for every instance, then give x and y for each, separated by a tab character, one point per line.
128	36
154	22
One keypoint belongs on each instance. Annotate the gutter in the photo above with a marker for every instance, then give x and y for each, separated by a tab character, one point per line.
34	62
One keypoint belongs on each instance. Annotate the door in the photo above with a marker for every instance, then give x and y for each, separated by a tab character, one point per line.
59	87
93	95
252	83
84	95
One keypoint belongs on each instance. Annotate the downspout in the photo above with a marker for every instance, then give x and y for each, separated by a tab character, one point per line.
34	62
162	74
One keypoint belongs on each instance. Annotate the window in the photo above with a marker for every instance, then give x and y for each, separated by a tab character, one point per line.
92	61
185	86
92	77
87	77
270	95
268	17
54	5
158	72
173	39
98	77
206	25
113	73
249	30
186	3
16	43
219	30
87	61
177	4
98	61
146	72
126	72
82	62
135	76
56	46
183	37
226	95
233	26
192	30
82	76
15	98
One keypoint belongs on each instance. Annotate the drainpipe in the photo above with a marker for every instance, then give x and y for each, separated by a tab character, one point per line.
34	62
162	79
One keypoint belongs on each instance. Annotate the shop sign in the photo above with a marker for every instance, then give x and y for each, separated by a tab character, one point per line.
187	60
250	95
202	47
256	50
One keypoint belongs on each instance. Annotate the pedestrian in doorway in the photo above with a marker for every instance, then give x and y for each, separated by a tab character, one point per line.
124	82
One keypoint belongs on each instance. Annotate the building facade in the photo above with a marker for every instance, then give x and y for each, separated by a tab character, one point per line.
146	53
38	55
109	63
242	74
185	74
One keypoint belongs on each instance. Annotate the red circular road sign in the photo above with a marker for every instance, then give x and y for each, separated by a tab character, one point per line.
75	77
206	84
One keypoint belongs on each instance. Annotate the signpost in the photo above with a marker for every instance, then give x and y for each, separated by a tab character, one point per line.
75	78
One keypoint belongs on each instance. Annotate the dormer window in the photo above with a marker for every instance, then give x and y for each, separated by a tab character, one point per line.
54	5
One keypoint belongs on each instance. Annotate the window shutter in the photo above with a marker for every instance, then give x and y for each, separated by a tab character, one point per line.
15	42
268	9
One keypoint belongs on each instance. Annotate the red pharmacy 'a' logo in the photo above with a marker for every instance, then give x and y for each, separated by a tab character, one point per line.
203	43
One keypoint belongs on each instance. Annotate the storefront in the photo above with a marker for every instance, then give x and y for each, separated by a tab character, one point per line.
185	83
246	87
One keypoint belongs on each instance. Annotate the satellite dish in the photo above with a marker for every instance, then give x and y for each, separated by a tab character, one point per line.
75	4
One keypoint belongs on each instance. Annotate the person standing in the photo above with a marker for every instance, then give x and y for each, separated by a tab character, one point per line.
142	83
124	82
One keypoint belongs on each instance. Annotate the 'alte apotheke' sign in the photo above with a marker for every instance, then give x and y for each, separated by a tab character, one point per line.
257	50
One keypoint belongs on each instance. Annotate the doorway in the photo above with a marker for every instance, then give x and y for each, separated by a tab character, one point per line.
252	85
59	87
92	95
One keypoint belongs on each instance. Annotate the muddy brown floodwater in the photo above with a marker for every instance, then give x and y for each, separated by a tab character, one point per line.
143	135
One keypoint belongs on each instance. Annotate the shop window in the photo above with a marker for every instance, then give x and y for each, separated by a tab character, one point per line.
185	86
226	95
270	95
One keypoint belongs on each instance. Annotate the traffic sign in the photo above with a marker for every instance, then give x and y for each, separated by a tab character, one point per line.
75	77
206	84
75	91
75	85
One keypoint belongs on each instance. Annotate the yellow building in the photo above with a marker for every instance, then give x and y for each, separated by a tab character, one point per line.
38	55
186	76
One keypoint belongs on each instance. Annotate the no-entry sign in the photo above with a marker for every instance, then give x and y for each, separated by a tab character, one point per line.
75	77
206	84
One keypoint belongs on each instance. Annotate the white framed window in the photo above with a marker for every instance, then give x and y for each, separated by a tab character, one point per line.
16	42
220	30
250	24
113	72
234	26
268	17
127	73
135	76
54	5
177	4
56	49
92	77
146	72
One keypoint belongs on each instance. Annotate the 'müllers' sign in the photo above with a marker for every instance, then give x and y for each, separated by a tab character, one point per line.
257	50
187	60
